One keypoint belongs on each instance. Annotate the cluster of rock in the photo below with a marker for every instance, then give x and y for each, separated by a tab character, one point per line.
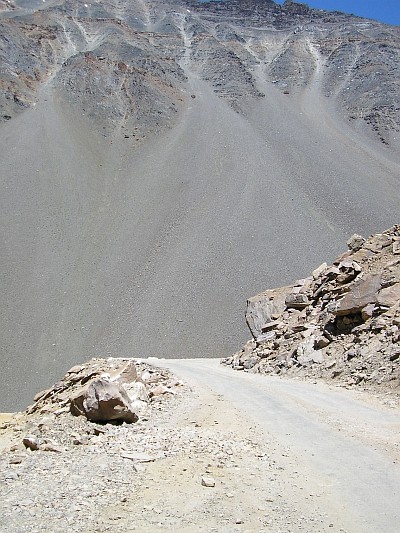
76	465
104	391
340	323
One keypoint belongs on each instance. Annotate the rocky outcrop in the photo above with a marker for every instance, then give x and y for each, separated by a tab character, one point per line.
340	323
105	391
125	67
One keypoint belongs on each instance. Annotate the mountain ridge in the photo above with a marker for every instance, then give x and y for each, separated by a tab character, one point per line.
66	40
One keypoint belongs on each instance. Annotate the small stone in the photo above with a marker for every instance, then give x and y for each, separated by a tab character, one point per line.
31	442
139	468
318	271
321	342
389	296
208	481
16	460
367	312
125	374
11	475
76	369
355	242
159	390
41	394
50	447
296	300
138	457
79	440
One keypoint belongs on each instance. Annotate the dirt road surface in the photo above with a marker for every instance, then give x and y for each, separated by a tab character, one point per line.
335	456
223	452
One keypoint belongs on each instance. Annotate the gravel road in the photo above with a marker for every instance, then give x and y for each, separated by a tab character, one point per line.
223	451
343	442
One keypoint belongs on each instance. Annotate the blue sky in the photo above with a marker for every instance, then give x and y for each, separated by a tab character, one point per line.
384	10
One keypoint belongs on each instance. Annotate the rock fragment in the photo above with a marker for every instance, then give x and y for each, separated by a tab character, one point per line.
104	401
208	481
31	442
355	242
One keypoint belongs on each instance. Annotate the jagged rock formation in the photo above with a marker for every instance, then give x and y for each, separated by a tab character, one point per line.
341	323
124	64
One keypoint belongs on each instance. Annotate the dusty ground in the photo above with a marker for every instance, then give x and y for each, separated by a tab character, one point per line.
284	457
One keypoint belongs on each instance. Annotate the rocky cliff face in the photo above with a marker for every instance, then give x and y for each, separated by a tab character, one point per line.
342	323
123	64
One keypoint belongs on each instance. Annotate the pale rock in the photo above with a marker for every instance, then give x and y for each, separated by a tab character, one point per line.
363	292
297	300
262	307
208	481
146	376
103	401
31	442
40	395
379	241
389	296
11	475
137	391
138	406
250	361
321	342
355	242
51	447
270	325
76	369
16	459
79	440
159	390
139	468
367	312
138	457
319	270
305	351
265	337
125	374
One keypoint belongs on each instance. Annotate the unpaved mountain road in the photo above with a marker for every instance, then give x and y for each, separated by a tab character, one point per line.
338	449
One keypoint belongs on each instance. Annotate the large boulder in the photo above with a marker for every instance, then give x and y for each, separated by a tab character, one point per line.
103	401
364	291
264	308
